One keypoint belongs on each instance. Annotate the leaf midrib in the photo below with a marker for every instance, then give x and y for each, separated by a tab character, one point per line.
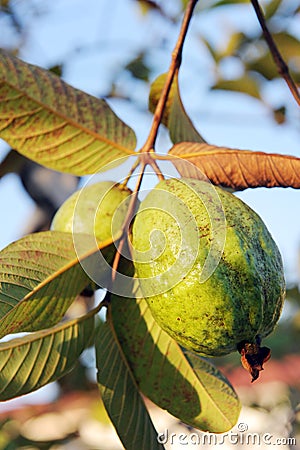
36	336
217	151
57	273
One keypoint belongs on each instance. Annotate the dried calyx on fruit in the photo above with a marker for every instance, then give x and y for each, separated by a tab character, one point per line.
239	301
253	356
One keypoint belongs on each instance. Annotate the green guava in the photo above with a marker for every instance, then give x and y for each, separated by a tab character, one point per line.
92	210
98	212
209	269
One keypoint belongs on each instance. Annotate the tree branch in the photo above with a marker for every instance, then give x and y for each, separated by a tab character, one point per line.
156	169
174	66
282	67
145	156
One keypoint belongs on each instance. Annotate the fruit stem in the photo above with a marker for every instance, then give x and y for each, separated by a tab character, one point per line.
174	67
126	223
156	169
130	173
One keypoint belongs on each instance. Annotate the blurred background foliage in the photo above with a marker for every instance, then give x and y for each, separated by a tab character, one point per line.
237	59
240	58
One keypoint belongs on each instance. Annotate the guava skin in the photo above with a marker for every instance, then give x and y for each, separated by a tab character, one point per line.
90	210
243	297
97	210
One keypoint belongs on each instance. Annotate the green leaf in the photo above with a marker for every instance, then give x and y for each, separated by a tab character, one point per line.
236	40
199	396
271	8
147	6
213	52
57	125
245	84
40	276
228	2
154	96
289	47
30	362
175	117
121	396
264	65
138	68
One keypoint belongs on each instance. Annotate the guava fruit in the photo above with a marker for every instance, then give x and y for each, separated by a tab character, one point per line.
91	210
239	301
97	210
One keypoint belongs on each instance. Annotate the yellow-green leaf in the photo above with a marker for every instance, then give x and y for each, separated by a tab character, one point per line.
121	395
37	359
264	65
227	2
234	43
288	45
189	387
234	168
40	276
57	125
245	85
175	117
271	8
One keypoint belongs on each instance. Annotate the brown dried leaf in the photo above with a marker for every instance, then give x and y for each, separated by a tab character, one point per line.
234	168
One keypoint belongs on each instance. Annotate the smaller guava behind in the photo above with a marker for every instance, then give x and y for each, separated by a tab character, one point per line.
98	209
93	215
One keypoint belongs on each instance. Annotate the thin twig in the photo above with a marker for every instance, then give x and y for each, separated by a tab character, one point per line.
156	169
174	66
279	61
130	173
126	223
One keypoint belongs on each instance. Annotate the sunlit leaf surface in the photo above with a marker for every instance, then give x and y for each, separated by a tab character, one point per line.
121	395
36	359
56	125
40	276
